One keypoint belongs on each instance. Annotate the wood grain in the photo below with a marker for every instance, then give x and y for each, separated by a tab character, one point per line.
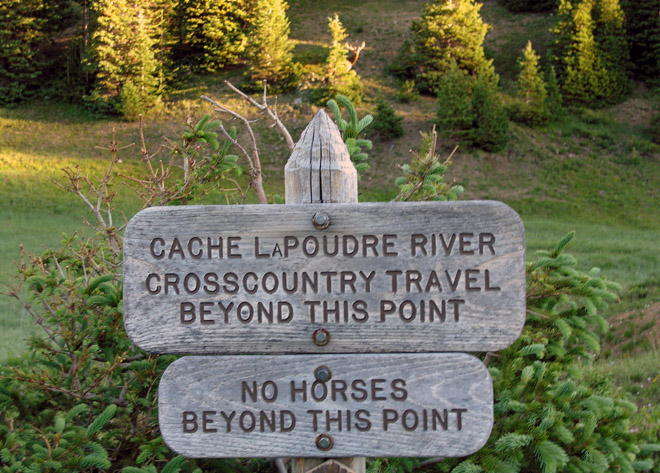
400	405
331	466
481	285
320	169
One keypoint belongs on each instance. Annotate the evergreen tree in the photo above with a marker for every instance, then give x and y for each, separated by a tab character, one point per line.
613	48
470	109
212	33
123	59
340	78
554	99
454	118
550	415
643	29
586	80
337	64
532	92
269	48
591	52
449	30
386	122
21	33
562	33
490	128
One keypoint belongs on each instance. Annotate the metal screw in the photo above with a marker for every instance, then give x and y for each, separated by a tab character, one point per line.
321	337
324	442
321	221
322	374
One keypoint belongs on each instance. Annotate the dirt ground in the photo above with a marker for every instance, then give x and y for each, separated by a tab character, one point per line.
634	331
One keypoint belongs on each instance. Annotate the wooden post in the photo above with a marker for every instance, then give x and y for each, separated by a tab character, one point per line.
320	171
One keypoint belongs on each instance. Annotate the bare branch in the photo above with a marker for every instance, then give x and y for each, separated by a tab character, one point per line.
264	107
256	181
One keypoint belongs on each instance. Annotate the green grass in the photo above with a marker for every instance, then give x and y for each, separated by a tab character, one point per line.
638	376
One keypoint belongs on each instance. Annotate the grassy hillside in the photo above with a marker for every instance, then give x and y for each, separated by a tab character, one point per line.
596	172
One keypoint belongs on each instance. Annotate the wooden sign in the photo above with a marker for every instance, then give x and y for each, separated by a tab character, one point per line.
382	405
374	277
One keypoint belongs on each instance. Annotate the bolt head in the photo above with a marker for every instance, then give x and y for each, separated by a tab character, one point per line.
322	374
321	337
321	220
324	442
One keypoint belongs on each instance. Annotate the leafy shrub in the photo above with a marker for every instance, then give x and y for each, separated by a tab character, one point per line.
84	398
132	102
549	414
351	130
347	85
386	122
21	35
269	49
447	32
554	98
407	92
423	178
338	77
471	111
490	129
454	118
531	106
655	129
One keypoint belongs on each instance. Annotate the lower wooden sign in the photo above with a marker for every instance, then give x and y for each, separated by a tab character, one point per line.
379	405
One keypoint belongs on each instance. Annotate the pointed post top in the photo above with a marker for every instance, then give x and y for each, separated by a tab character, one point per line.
320	168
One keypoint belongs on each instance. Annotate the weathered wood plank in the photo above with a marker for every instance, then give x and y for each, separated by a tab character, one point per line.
331	466
404	277
307	465
373	405
320	169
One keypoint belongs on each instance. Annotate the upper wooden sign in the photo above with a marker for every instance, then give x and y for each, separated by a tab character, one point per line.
375	277
414	405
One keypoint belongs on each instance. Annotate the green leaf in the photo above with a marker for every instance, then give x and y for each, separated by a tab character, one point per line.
174	465
37	283
551	456
97	449
55	465
94	283
535	349
60	423
527	373
364	122
643	465
648	448
346	102
95	461
202	123
467	467
99	301
364	143
101	420
213	124
512	441
562	243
